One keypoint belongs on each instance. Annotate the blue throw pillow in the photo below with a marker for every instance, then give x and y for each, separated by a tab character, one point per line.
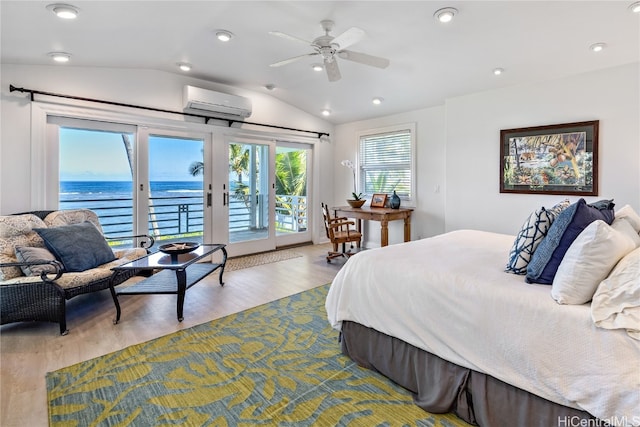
531	233
78	246
564	230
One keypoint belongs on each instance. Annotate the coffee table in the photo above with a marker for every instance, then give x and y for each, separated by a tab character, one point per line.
178	273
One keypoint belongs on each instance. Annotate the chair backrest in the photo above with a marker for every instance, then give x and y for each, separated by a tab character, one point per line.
72	216
327	219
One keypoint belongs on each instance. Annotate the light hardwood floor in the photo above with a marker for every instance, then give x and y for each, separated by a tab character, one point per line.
30	350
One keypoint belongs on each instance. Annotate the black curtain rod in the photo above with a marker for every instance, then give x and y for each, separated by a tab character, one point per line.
33	92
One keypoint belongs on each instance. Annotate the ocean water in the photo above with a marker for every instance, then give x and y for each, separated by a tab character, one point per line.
176	207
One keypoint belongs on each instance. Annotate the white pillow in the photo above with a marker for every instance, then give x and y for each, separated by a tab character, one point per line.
616	303
623	225
588	261
627	212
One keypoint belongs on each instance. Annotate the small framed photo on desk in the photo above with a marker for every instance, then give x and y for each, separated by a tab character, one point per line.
378	200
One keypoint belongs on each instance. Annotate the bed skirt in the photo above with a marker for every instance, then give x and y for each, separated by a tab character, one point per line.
439	386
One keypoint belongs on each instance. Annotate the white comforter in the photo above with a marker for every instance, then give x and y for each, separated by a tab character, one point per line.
449	295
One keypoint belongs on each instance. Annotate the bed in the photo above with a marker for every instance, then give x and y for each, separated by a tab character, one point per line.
442	318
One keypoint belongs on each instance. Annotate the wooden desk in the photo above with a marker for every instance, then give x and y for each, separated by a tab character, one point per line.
384	215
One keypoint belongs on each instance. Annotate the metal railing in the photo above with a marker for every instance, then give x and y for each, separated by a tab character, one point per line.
179	216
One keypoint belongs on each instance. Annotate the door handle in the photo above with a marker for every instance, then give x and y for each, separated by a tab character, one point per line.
209	200
225	198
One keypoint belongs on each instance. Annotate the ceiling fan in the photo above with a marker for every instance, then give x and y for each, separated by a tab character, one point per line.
328	47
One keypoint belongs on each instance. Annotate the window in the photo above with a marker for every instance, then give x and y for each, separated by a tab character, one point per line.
386	161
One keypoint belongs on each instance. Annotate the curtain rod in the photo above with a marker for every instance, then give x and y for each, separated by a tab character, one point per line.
33	92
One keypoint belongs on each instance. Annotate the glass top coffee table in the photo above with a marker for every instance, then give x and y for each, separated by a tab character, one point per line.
178	273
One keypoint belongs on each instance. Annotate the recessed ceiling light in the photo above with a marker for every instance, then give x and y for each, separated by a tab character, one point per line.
445	15
498	71
64	11
317	67
269	86
635	7
184	66
60	56
224	35
326	112
597	47
377	101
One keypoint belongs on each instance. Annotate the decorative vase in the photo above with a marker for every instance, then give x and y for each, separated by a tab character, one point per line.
394	202
356	203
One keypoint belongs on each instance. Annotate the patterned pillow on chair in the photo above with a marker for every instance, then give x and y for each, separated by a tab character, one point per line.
531	234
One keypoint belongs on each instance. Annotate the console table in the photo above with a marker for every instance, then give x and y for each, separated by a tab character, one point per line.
383	215
178	273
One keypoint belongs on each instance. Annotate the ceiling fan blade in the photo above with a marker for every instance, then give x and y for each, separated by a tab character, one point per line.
333	72
294	59
290	37
352	36
363	58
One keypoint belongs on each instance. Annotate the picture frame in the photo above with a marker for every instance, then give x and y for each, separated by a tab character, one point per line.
552	159
378	200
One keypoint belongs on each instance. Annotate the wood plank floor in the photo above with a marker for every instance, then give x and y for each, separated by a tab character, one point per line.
29	350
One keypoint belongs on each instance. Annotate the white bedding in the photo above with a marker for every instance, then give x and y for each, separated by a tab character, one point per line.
449	295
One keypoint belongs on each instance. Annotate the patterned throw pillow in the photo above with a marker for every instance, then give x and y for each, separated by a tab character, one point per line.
545	261
35	254
531	234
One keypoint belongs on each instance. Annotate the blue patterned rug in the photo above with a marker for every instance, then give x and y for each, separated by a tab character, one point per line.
276	364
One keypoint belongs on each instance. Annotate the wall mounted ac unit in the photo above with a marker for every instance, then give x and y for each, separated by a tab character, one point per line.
204	100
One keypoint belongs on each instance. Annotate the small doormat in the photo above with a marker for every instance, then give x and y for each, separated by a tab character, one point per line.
258	259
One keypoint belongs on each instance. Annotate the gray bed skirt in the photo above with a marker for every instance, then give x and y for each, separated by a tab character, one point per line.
439	386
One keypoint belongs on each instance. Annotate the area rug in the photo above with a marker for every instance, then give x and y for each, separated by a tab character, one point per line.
278	364
259	259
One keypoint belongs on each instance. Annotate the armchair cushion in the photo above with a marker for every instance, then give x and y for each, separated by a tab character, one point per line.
33	254
17	230
79	247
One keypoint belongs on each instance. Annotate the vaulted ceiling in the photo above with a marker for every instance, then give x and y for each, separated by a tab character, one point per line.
429	61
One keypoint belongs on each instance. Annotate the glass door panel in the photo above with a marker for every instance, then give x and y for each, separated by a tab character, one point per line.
249	197
96	172
176	197
291	215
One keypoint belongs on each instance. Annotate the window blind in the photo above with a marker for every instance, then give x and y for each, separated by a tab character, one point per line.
385	163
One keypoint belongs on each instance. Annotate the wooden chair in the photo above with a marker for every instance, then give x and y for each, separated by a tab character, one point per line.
339	232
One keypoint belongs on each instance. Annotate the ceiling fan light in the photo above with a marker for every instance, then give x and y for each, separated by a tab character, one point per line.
445	15
326	112
635	7
317	67
597	47
64	11
60	56
377	101
184	66
224	35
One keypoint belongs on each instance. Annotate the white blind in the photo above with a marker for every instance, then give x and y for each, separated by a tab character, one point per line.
385	163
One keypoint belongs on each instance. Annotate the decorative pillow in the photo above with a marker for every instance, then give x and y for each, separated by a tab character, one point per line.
589	261
630	215
563	231
33	254
78	246
530	235
16	230
624	226
616	303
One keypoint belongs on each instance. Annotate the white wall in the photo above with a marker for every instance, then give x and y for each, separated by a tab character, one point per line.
473	125
428	217
140	87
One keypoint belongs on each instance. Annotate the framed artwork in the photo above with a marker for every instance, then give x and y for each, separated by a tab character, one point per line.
378	200
553	159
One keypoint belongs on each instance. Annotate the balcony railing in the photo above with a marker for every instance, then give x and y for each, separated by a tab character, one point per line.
176	217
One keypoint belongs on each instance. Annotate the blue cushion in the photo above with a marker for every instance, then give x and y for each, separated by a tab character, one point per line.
531	233
78	246
564	230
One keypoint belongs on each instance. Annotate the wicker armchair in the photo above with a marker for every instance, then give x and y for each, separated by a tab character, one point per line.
41	297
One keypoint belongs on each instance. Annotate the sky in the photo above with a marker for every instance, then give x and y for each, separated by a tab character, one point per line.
87	155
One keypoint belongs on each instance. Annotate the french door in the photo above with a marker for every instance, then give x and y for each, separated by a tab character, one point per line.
138	180
248	191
